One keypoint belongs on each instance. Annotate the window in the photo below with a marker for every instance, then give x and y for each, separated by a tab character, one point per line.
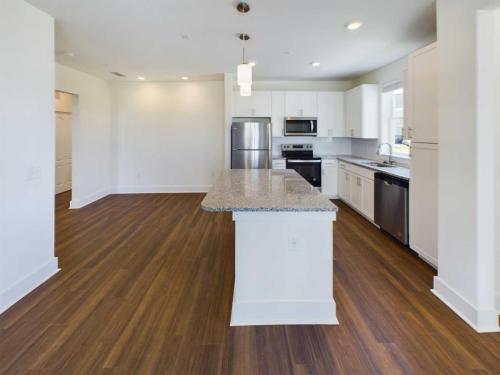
393	121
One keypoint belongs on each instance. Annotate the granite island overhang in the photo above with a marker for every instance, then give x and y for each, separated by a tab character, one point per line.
283	247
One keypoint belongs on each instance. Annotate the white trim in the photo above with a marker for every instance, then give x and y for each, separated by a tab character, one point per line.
14	293
79	203
480	320
251	313
162	189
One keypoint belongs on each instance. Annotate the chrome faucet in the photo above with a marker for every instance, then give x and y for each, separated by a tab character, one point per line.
390	161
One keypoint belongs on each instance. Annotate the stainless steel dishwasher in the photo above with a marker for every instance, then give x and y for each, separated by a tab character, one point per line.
391	206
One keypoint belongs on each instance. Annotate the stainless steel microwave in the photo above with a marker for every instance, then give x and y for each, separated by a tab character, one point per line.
301	126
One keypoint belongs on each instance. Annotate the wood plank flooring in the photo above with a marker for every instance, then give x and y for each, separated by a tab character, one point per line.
146	287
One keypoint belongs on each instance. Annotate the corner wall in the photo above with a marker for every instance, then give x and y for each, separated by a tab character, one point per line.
27	150
465	280
169	135
92	143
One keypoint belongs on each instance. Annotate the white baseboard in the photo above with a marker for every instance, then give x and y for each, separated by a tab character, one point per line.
14	293
480	320
147	189
251	313
82	202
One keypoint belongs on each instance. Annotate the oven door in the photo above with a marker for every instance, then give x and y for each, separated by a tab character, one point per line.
301	126
309	169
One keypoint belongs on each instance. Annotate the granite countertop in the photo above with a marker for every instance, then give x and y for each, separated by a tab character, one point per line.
396	171
264	190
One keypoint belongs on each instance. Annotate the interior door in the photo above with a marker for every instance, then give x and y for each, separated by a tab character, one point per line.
63	152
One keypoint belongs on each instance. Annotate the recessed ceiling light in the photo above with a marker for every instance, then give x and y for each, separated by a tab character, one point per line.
184	78
140	78
315	63
252	63
353	25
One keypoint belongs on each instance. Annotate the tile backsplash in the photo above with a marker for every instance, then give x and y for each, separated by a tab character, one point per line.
335	146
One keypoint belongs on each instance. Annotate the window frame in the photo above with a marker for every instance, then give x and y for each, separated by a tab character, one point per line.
384	119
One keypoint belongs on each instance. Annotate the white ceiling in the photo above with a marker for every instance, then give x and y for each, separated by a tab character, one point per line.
144	37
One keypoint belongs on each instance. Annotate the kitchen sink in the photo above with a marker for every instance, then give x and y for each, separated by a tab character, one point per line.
379	165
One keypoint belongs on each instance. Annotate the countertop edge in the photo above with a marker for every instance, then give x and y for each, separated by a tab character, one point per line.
374	168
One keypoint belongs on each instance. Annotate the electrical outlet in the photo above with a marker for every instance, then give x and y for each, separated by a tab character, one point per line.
293	243
33	173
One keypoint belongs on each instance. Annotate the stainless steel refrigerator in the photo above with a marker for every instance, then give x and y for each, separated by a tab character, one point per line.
251	143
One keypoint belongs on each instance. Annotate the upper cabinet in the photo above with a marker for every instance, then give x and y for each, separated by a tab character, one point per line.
301	104
257	105
362	111
278	113
331	114
421	119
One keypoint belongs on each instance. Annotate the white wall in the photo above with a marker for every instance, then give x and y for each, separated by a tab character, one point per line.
92	145
170	135
26	150
384	76
497	160
465	279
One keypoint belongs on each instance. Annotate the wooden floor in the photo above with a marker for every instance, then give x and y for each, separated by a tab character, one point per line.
146	287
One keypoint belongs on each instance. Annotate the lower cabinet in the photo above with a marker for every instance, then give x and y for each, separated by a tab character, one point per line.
357	188
279	164
329	178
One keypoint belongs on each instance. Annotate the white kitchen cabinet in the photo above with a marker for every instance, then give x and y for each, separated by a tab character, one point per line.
278	113
423	201
421	119
329	178
301	104
362	111
257	105
357	188
356	191
344	185
368	198
331	114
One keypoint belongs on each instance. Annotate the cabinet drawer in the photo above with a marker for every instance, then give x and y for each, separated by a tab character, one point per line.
360	171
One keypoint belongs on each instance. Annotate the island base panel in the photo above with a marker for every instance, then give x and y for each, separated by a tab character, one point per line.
283	268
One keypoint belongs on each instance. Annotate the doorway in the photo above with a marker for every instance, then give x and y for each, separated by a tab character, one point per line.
64	130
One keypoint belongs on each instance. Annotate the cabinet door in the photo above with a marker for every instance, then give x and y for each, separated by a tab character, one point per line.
423	87
278	113
424	200
293	106
301	104
356	192
344	185
329	183
257	105
331	114
309	103
368	198
262	103
242	105
353	112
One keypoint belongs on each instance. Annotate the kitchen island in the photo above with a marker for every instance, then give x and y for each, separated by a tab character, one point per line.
283	247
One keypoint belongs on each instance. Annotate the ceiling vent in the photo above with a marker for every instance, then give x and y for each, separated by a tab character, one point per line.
118	74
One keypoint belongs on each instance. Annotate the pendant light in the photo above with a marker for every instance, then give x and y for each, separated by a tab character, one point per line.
244	77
